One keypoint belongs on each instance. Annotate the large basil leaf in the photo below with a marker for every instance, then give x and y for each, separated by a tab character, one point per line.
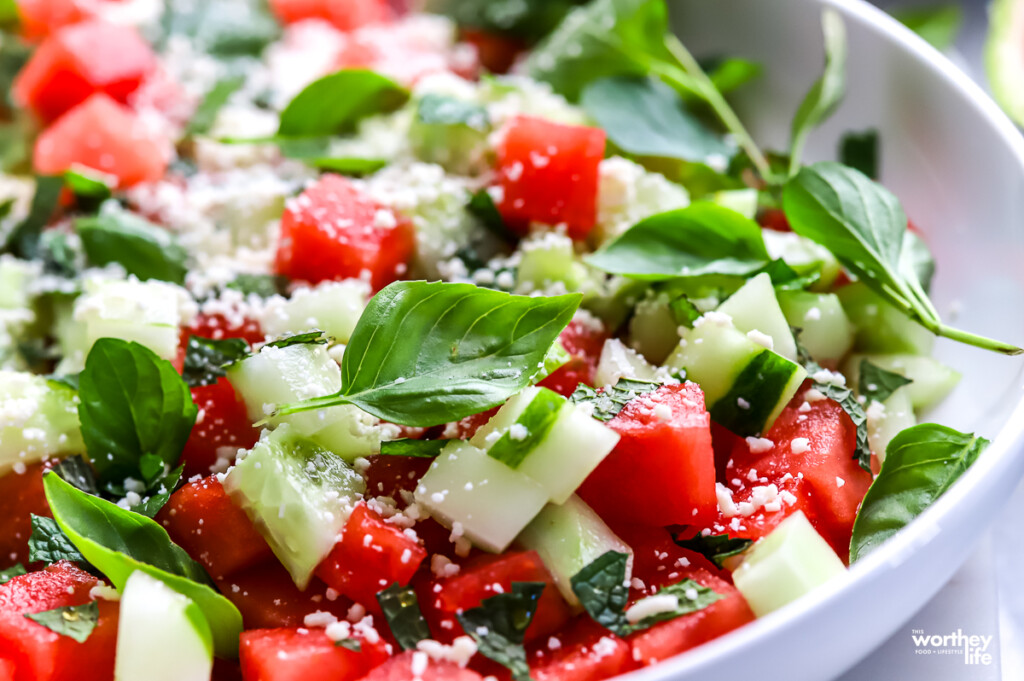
921	463
645	117
424	353
118	542
701	239
146	250
134	406
335	103
826	93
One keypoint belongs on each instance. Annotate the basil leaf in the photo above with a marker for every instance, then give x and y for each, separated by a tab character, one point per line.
423	354
732	73
609	402
76	471
213	101
684	311
921	463
691	597
938	24
715	547
87	187
645	117
205	359
47	543
142	248
119	542
603	592
698	240
785	278
262	285
916	261
10	573
59	256
436	109
859	150
826	93
426	449
132	403
306	338
23	241
74	621
877	384
346	165
335	103
401	609
855	410
499	624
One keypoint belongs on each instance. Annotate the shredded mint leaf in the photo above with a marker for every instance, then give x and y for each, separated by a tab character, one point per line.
205	359
48	544
10	573
608	403
853	408
859	150
603	592
716	547
74	621
402	611
921	463
877	384
692	597
352	644
427	449
307	338
133	404
826	93
263	285
499	624
23	241
146	250
213	101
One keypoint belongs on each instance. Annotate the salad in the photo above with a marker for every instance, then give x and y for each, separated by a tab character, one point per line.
480	340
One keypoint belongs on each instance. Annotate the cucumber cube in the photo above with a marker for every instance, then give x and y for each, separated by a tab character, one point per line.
743	201
161	634
479	497
652	330
15	276
333	307
803	255
790	562
887	419
755	310
568	537
931	380
880	327
38	419
617	361
547	259
826	331
298	495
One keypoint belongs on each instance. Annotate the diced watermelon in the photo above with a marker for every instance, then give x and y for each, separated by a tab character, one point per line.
333	231
301	654
80	60
548	173
826	482
485	576
585	651
387	476
40	18
20	497
267	597
584	342
106	136
202	519
401	668
223	428
371	556
220	326
662	472
38	654
345	15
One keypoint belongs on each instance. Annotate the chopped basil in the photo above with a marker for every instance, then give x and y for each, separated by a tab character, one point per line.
335	103
159	494
307	338
74	621
262	285
608	403
427	449
859	150
877	384
402	611
90	189
499	624
213	101
846	399
205	359
142	248
715	547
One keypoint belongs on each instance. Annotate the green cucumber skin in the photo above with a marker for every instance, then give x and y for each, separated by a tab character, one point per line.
538	418
764	383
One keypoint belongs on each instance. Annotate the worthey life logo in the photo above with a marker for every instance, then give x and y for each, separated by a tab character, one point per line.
972	648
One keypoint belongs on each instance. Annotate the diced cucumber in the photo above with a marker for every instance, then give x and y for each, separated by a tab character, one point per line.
755	309
880	327
479	497
613	299
803	255
932	380
161	634
451	133
617	361
277	376
332	307
15	276
743	201
148	312
825	330
887	419
546	259
790	562
653	328
298	495
38	419
745	385
544	436
568	537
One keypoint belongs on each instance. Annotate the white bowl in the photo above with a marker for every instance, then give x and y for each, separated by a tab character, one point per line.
958	165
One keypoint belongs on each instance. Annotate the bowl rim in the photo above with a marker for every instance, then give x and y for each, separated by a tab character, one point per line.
998	459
